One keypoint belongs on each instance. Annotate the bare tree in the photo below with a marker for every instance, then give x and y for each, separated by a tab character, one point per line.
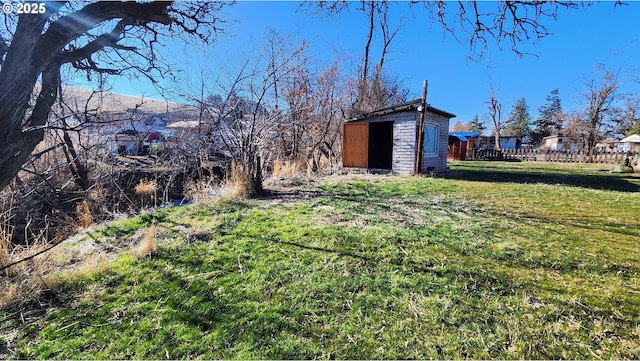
504	22
495	114
326	124
102	37
369	7
575	130
596	117
458	126
373	88
299	97
248	118
627	117
478	23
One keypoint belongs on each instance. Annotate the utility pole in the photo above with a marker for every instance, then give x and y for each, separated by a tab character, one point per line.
423	106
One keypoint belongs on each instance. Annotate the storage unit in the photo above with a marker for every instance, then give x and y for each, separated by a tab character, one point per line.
386	140
459	142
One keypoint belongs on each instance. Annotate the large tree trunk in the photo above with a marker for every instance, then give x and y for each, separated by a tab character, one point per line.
38	50
17	81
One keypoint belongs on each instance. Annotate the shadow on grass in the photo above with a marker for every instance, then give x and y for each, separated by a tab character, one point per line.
591	181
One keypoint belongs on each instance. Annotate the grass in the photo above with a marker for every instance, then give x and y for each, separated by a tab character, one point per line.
497	260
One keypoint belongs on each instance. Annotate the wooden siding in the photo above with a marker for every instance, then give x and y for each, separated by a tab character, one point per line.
457	149
355	145
404	142
438	161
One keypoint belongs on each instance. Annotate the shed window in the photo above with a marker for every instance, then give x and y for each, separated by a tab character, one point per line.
430	139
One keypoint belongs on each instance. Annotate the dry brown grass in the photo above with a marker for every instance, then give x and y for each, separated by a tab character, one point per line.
285	168
146	190
91	264
26	280
147	245
5	241
240	180
146	187
6	233
9	295
84	214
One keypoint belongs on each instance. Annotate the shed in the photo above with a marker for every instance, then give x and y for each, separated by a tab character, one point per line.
387	139
459	142
630	143
559	142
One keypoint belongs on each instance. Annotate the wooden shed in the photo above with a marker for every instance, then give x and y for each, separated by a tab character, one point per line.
459	142
387	139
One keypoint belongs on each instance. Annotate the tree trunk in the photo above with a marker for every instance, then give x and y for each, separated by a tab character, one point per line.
36	52
367	47
18	77
257	177
78	170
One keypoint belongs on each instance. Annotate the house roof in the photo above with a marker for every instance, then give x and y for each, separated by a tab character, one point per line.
555	136
635	138
464	136
403	107
185	124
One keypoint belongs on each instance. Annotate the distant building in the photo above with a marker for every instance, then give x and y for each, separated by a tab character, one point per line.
510	142
560	143
155	122
459	142
629	144
506	142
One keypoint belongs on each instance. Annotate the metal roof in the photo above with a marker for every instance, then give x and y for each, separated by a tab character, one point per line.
408	106
464	136
635	138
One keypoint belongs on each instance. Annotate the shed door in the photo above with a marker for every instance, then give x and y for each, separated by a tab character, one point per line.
380	145
355	145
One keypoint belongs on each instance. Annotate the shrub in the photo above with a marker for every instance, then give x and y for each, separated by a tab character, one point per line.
84	214
146	187
148	244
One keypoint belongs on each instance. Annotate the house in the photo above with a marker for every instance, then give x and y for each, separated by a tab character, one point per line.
136	138
134	142
459	142
629	144
559	142
386	140
155	122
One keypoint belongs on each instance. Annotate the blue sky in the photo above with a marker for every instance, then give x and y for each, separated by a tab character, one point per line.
582	38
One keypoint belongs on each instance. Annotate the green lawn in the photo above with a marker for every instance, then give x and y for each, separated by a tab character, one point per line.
495	260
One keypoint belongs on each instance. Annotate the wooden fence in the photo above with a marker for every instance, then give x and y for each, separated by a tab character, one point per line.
543	155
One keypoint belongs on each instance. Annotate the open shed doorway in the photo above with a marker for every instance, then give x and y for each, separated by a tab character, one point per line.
381	145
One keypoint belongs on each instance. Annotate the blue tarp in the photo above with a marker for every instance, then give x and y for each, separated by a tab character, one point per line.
464	136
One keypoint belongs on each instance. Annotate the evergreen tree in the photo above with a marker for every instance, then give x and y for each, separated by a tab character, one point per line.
477	125
519	119
635	129
549	120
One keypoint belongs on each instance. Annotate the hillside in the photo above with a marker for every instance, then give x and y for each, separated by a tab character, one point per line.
110	102
498	260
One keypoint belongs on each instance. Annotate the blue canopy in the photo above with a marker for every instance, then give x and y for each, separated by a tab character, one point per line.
464	136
